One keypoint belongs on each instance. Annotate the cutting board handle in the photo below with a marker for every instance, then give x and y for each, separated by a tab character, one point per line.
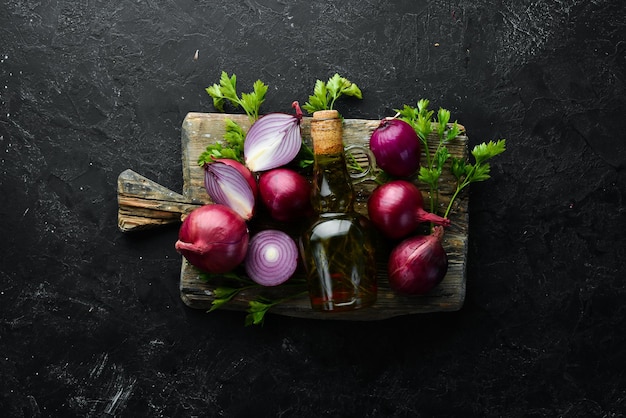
143	203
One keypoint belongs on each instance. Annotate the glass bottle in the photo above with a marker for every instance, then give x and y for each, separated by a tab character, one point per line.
337	248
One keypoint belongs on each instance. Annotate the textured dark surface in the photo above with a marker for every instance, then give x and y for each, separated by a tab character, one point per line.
91	323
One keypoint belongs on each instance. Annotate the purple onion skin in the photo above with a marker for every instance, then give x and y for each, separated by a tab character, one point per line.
397	147
213	238
286	194
396	209
418	264
244	172
226	185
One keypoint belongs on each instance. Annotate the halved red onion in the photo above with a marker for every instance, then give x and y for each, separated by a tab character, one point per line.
272	257
244	171
227	186
272	141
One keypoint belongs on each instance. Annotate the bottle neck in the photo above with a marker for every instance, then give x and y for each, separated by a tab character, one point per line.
332	185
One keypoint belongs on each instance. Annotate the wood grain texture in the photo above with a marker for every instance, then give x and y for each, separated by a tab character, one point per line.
144	204
200	129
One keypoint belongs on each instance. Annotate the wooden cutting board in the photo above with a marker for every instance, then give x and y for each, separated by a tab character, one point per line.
145	204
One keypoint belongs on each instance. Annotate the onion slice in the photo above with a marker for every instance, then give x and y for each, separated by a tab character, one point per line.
272	141
227	186
272	257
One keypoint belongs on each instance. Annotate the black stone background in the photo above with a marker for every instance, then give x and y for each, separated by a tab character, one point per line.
91	320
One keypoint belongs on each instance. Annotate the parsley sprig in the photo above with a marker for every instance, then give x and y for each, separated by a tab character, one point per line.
326	93
232	147
234	136
421	119
258	307
479	171
226	90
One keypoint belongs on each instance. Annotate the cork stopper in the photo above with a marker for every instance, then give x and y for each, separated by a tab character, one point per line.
327	132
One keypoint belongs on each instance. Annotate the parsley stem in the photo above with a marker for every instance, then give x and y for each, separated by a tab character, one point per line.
460	186
258	308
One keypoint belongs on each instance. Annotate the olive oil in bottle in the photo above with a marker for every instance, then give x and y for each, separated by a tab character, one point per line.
337	248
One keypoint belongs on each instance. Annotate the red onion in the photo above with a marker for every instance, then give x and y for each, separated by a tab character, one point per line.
396	209
272	257
245	172
227	186
286	194
273	140
396	147
418	264
213	238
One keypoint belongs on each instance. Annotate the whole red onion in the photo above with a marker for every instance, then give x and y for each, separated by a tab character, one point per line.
286	194
213	238
418	264
396	147
396	209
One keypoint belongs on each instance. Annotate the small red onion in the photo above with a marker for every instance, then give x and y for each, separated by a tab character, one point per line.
418	264
286	194
272	257
396	147
396	209
227	186
273	140
213	238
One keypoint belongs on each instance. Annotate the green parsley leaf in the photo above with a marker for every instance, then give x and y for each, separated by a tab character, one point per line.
231	147
443	117
458	167
441	156
234	135
326	93
408	114
422	106
259	307
429	176
251	102
223	295
424	126
453	132
226	90
479	171
305	156
484	151
257	310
